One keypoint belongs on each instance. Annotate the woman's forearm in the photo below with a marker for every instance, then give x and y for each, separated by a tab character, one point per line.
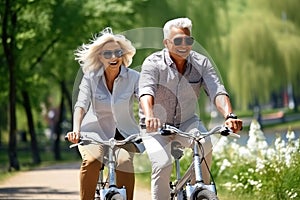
77	118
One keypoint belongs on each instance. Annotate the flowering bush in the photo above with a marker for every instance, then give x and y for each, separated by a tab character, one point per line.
258	169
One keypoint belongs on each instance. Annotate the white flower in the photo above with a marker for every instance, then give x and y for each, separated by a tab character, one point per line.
290	135
245	153
224	165
256	140
260	164
251	170
271	153
262	145
219	148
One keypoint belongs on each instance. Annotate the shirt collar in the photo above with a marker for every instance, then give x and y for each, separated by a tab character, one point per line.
123	72
169	61
167	56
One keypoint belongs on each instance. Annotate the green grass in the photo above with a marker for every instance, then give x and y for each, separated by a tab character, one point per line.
295	125
228	195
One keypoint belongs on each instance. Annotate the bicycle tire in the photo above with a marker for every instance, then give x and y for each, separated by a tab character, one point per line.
205	195
184	197
114	196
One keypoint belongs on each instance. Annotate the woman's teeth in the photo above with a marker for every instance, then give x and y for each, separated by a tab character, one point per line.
113	63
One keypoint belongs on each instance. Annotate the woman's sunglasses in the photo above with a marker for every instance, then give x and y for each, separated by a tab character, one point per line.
188	41
108	53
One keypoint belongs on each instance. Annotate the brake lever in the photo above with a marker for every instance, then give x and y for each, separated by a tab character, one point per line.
165	132
75	145
80	142
225	131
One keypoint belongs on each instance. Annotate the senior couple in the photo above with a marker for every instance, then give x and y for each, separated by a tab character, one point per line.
167	88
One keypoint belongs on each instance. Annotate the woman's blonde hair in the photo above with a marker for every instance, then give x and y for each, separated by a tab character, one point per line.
87	55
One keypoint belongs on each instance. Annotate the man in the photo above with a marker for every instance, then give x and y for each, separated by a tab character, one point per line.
169	87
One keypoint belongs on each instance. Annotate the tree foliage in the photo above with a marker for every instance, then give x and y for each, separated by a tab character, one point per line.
262	46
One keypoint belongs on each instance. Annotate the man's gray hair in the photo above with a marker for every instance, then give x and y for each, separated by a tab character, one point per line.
178	23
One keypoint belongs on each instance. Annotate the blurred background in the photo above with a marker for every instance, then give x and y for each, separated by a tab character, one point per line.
253	44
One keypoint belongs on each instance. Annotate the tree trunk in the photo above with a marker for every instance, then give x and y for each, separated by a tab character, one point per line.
34	145
9	21
69	98
295	97
12	147
58	127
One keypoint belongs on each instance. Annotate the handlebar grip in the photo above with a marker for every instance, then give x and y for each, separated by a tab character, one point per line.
143	126
165	132
138	141
66	138
228	132
225	131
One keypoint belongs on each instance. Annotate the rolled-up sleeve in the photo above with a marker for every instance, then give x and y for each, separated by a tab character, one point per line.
84	95
212	82
149	78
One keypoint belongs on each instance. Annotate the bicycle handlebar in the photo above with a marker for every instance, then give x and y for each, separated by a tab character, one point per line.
86	139
197	135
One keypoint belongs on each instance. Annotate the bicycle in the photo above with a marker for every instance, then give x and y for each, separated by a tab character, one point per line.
107	189
181	187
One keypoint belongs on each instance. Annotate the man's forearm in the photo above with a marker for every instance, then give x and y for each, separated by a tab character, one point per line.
147	102
223	105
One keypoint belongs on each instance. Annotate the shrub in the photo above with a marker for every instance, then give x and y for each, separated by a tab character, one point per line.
260	170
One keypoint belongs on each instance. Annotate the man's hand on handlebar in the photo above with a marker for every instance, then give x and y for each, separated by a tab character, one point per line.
235	125
73	137
152	124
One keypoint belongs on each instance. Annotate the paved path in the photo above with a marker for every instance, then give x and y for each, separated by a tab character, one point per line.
58	182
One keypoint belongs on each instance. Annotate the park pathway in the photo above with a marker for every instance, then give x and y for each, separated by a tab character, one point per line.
57	182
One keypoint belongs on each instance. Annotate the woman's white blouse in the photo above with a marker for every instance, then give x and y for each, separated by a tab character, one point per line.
107	111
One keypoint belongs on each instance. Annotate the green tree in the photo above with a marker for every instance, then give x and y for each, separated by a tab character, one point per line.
38	40
261	53
288	38
255	59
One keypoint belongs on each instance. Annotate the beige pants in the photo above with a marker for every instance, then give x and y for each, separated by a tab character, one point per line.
92	158
159	151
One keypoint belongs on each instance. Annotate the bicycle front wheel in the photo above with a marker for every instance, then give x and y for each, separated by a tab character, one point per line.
205	195
114	196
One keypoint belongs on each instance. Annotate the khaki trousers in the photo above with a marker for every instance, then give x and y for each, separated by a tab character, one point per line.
92	159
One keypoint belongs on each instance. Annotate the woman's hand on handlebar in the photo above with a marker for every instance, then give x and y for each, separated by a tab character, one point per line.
235	125
73	136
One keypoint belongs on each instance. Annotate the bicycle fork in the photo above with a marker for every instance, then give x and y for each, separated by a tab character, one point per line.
199	182
112	188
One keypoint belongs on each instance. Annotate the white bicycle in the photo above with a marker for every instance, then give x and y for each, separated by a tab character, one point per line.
107	189
182	188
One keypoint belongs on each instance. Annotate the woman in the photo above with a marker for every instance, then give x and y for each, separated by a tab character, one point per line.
105	106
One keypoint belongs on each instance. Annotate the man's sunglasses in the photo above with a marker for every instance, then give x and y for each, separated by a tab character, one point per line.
108	53
188	41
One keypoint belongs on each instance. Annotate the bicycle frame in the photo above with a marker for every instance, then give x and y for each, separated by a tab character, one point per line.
182	188
110	191
182	183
